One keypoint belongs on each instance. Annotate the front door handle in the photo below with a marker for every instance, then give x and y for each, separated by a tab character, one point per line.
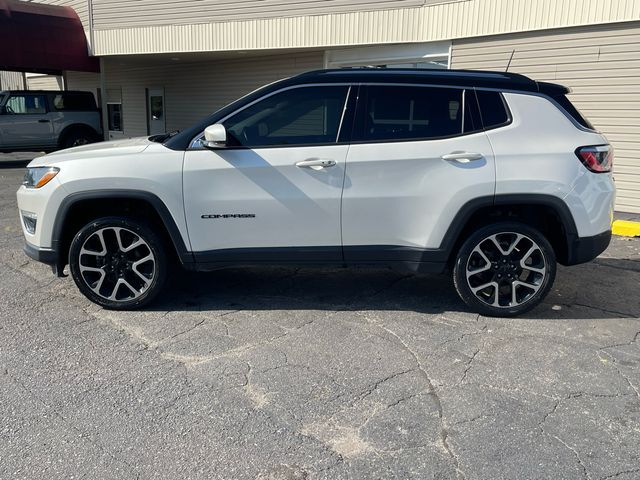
43	120
463	157
316	163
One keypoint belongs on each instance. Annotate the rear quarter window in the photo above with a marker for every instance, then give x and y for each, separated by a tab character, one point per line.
493	109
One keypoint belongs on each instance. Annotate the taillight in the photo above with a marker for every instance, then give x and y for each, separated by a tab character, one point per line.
598	158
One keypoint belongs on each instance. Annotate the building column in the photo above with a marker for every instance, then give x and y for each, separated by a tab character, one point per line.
103	98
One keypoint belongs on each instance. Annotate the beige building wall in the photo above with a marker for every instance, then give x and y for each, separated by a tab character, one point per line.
191	90
125	27
11	80
44	82
601	64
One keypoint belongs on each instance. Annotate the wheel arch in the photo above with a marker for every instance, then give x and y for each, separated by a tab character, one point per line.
76	126
547	213
79	208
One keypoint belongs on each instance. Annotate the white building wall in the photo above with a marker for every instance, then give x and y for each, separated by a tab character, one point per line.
11	80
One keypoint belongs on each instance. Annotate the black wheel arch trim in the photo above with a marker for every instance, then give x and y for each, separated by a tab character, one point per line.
465	213
183	253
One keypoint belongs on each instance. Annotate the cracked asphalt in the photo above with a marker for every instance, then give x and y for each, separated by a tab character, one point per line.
285	374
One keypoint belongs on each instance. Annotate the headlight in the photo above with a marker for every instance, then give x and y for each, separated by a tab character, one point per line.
37	177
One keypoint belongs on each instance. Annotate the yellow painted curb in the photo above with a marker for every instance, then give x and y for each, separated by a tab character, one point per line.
625	228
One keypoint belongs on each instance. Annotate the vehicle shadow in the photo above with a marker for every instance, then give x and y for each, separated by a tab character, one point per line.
603	289
7	164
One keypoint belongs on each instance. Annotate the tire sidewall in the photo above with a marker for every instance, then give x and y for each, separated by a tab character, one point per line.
147	234
459	271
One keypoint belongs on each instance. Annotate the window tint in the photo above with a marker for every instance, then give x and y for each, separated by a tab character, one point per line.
472	122
404	113
492	108
26	104
299	116
74	102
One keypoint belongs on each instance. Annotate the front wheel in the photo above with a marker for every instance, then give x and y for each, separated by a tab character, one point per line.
119	263
504	269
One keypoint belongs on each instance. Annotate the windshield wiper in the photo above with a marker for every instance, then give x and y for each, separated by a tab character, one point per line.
163	137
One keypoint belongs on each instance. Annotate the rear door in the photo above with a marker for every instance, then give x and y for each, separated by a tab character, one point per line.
418	154
24	122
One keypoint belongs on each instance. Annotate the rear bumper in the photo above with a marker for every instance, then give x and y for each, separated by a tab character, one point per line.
585	249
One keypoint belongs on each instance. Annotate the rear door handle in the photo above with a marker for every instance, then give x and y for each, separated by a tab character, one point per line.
43	120
316	163
463	157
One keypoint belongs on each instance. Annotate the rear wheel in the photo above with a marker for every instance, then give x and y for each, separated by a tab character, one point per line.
118	263
504	269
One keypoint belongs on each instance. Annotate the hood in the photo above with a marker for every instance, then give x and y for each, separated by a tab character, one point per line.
100	150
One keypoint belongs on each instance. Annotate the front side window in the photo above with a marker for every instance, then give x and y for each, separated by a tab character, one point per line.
409	113
299	116
26	104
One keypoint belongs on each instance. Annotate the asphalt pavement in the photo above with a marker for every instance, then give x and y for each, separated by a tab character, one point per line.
291	374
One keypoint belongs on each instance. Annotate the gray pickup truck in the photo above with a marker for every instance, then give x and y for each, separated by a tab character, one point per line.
35	120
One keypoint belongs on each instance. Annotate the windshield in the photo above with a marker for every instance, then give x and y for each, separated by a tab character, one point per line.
2	97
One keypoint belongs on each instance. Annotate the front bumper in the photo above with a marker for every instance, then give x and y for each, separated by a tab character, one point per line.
585	249
47	256
44	255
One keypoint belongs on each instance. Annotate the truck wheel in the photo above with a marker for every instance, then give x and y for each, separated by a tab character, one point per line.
504	269
118	262
77	137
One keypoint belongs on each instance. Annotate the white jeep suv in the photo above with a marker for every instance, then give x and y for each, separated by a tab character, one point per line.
491	175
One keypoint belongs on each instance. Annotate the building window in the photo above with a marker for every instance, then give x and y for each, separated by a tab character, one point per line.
114	111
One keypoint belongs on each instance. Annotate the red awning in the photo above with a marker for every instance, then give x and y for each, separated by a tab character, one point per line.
43	39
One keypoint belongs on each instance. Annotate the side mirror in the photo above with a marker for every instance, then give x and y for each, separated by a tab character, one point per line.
215	136
3	110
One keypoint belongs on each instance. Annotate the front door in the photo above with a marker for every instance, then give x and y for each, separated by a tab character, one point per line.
155	111
418	155
25	123
274	193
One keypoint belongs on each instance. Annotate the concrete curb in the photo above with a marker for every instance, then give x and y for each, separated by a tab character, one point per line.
625	228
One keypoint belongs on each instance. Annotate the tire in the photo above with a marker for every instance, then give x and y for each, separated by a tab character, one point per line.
508	280
107	263
77	137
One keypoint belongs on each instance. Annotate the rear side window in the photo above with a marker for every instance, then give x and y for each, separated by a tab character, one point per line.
409	113
74	102
492	109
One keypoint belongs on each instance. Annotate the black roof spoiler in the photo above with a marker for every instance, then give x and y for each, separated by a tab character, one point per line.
552	89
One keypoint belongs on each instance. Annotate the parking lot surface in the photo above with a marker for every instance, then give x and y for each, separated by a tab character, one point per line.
290	374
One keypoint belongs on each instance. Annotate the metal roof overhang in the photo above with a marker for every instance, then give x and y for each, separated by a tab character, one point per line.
43	39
